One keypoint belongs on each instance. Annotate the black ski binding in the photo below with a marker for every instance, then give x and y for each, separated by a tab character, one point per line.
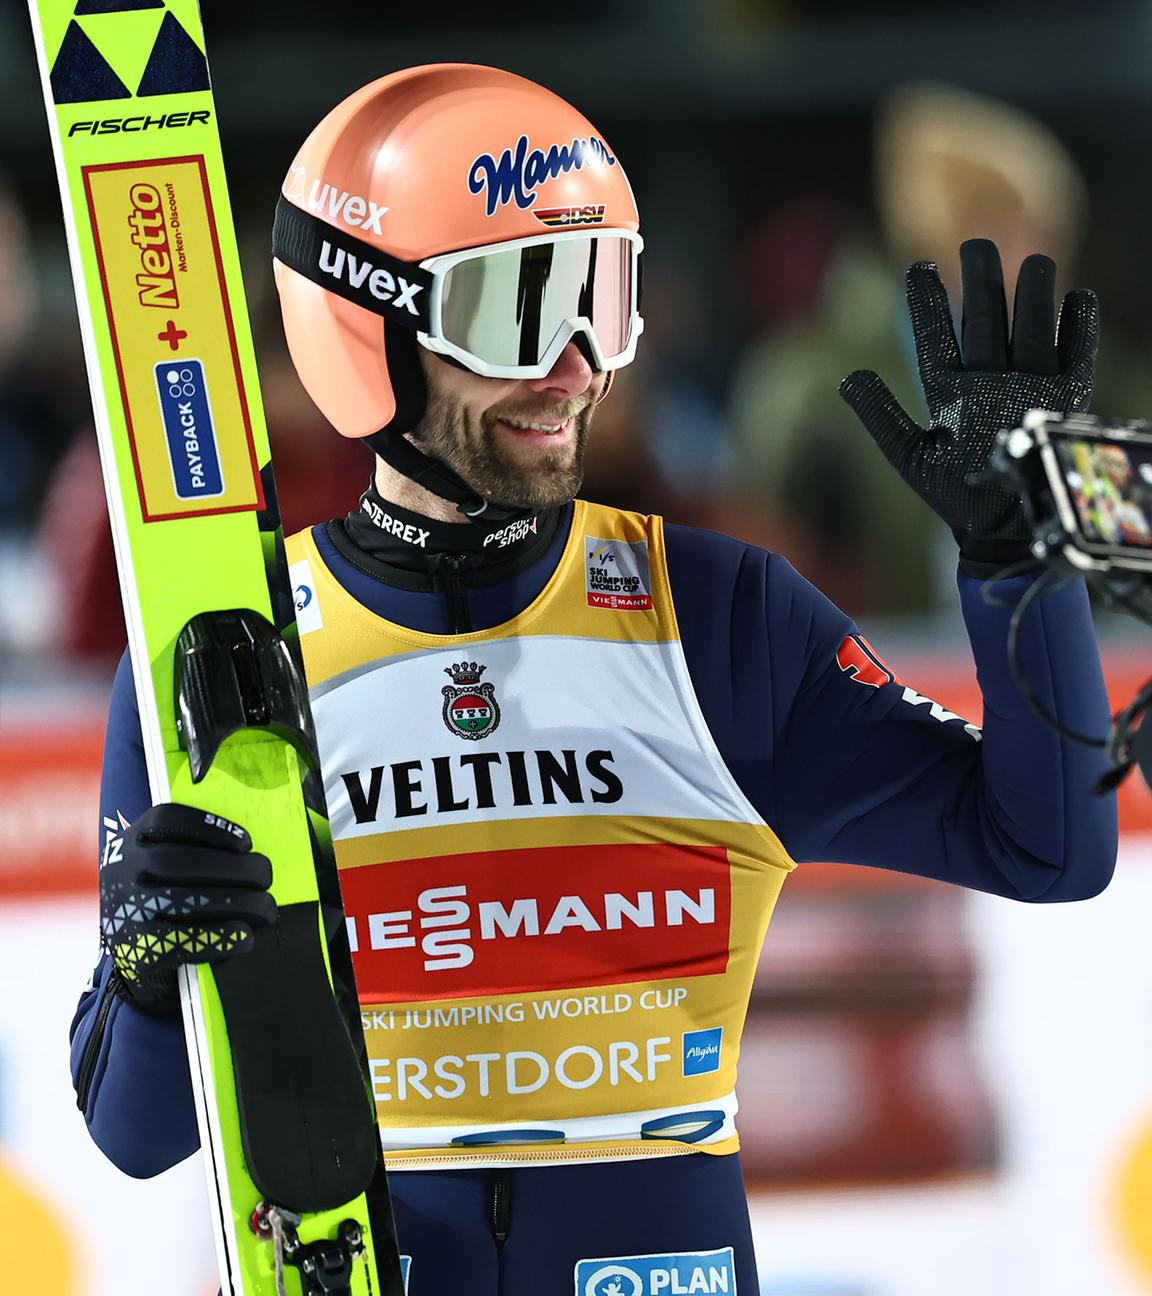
325	1266
233	671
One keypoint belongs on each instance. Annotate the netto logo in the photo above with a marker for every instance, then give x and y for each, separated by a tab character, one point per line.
156	280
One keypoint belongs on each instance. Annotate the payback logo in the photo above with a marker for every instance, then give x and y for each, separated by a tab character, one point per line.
861	662
521	170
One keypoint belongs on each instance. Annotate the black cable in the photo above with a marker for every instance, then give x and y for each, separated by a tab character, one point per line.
1049	580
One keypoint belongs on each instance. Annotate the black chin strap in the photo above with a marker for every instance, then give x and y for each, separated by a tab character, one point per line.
399	453
411	390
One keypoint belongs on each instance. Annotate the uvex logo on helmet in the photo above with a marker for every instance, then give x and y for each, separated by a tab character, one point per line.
521	170
326	200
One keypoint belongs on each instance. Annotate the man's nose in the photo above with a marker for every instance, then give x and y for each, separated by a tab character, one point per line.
570	376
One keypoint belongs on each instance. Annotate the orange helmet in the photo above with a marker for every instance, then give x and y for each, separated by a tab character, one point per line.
462	208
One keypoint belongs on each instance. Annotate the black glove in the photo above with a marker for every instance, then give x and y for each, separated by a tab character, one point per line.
972	396
180	886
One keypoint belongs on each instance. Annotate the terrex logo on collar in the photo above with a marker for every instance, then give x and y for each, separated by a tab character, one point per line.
520	171
326	200
404	531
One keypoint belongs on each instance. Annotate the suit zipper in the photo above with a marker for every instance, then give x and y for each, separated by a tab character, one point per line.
95	1039
448	573
501	1204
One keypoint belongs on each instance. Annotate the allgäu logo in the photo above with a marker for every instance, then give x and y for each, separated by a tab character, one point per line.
520	172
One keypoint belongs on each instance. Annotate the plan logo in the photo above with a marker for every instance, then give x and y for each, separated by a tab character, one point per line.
690	1273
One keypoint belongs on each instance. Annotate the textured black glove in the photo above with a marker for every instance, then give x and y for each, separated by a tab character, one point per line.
975	390
180	886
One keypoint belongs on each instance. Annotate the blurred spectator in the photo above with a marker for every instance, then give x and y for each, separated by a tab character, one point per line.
949	165
34	427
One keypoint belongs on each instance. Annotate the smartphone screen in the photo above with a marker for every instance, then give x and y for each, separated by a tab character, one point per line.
1109	486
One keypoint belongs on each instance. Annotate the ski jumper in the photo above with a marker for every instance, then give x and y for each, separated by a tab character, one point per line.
560	838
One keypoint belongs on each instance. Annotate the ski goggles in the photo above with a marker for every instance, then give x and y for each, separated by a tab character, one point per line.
509	310
506	310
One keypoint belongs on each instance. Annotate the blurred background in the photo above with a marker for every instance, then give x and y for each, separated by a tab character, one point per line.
941	1092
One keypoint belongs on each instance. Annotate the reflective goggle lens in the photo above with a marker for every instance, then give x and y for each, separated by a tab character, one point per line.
506	307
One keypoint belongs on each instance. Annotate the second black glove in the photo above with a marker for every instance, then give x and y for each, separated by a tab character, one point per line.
181	886
975	389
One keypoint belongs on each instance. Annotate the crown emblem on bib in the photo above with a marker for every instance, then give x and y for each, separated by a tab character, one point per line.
470	708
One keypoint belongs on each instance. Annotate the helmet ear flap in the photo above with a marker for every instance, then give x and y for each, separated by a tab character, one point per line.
409	385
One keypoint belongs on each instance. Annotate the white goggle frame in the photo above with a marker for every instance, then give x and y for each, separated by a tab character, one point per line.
439	266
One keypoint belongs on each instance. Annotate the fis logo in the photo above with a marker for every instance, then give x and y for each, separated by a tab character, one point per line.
561	216
690	1273
520	171
617	575
337	204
